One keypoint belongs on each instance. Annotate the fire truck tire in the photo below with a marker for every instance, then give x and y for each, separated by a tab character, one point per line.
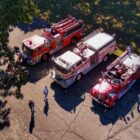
74	40
115	102
105	58
44	57
79	76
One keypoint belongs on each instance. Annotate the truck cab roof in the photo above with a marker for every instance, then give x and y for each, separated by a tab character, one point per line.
68	59
34	41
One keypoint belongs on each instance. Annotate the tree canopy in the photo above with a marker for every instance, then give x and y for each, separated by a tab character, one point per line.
120	17
12	13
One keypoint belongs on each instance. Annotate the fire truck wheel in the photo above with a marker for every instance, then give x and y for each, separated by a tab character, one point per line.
105	58
79	76
44	57
115	102
74	40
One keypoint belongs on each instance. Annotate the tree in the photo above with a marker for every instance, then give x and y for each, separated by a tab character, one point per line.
13	12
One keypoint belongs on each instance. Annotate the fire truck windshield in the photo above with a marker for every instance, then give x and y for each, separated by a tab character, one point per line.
27	50
111	79
62	70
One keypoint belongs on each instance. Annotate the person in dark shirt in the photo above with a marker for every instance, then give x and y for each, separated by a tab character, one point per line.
32	106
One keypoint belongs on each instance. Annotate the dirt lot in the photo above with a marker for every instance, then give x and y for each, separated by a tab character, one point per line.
72	115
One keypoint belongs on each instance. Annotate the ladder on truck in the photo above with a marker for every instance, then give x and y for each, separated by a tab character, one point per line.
118	60
66	24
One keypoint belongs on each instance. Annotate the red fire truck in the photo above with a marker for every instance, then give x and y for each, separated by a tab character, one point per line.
117	79
90	51
36	48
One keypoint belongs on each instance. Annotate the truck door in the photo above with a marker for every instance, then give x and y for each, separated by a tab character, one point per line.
36	54
101	54
67	38
93	59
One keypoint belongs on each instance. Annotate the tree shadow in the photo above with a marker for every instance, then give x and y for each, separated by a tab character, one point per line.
18	94
4	115
32	123
37	23
125	105
5	93
11	81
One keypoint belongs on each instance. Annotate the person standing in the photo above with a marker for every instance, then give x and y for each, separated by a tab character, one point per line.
45	92
32	106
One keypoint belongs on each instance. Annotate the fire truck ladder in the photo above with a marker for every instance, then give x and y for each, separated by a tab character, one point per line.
64	22
117	61
72	25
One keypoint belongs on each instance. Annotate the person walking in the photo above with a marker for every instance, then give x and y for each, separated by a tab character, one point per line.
32	106
45	92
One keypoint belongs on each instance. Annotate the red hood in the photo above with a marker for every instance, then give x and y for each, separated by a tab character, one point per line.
102	88
101	92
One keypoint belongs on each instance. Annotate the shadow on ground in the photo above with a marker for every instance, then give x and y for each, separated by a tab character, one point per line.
46	107
32	123
37	23
4	115
76	93
41	69
68	100
125	105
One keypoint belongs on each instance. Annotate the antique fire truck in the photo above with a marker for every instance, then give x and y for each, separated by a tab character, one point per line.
90	51
117	79
36	48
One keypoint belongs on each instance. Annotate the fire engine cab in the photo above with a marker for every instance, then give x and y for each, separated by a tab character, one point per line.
117	79
36	48
90	51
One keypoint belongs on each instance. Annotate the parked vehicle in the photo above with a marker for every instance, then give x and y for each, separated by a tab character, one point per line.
90	51
118	78
65	32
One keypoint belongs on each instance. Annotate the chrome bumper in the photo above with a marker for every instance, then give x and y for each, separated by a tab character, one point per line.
100	102
61	82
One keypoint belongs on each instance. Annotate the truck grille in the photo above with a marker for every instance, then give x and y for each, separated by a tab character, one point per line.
100	97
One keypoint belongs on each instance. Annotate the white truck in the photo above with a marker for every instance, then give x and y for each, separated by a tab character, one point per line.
90	51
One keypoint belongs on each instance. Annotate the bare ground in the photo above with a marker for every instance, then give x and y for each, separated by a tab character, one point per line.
72	115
